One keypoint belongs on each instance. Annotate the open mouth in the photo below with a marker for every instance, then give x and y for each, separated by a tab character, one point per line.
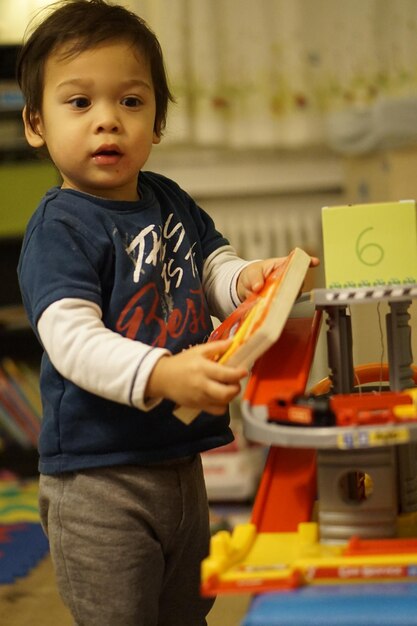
108	148
107	154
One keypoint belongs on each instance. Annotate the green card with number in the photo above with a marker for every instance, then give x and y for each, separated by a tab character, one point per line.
370	244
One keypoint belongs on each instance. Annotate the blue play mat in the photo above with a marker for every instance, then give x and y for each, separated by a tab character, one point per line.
342	605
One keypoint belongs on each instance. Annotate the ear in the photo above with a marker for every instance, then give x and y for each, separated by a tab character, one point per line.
33	129
156	137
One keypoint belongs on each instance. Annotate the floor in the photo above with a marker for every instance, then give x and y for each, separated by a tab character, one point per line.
33	601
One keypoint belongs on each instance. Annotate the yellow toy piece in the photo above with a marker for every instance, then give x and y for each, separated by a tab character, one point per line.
407	411
274	561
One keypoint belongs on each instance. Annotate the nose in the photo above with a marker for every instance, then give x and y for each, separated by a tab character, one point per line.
107	119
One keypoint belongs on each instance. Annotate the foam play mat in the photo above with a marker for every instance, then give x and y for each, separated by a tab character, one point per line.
22	540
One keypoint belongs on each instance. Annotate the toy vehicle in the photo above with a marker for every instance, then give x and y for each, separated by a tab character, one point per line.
356	409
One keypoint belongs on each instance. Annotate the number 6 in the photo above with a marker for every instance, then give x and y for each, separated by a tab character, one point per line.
368	249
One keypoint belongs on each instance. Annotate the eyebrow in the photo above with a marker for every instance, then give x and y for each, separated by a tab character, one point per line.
87	83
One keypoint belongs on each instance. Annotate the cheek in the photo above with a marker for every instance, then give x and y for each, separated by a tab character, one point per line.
65	140
64	153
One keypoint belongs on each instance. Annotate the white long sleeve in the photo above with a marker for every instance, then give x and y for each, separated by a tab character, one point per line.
220	273
95	358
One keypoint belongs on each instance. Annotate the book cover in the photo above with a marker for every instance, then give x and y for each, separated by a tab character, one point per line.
257	323
12	403
26	383
11	432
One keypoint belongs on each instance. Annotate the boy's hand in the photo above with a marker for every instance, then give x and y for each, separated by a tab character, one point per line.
252	277
194	379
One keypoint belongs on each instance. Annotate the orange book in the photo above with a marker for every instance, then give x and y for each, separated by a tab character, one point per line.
257	322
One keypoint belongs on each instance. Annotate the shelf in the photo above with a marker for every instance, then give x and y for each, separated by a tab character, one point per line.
214	173
20	461
13	317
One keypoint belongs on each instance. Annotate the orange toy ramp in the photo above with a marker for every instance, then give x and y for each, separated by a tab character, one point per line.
287	490
282	372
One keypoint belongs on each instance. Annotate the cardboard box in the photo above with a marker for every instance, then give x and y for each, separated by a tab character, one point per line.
381	176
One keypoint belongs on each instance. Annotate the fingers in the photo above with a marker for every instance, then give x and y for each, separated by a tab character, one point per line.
217	397
272	264
194	378
221	386
217	384
212	350
222	373
276	262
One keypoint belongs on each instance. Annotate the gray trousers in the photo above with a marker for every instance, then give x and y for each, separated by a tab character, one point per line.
127	543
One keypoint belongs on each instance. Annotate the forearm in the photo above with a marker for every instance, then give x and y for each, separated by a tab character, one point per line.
95	358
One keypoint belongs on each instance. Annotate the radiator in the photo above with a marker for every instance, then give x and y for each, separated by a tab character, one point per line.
259	234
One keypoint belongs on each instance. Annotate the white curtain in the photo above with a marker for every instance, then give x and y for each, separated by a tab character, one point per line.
287	73
280	73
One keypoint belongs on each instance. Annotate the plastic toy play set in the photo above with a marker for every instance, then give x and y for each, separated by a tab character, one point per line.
337	502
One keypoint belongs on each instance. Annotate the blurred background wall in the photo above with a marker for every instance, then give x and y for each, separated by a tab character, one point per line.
283	106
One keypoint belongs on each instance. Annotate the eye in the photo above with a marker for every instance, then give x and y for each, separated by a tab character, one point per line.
131	101
80	102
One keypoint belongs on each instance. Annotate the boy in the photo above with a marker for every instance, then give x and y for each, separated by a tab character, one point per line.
120	271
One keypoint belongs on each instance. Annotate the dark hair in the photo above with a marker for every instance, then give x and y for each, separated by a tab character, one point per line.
84	24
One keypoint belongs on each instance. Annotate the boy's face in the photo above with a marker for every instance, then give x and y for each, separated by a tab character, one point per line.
97	119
